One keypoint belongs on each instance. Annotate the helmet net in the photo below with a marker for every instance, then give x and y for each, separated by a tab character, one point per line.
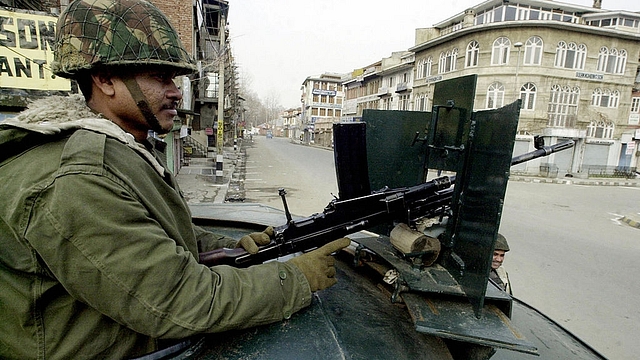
94	33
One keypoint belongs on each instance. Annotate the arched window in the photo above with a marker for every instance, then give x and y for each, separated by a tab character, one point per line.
528	96
605	98
621	62
533	51
448	61
596	97
570	55
500	51
581	56
422	101
420	69
561	54
603	55
612	61
473	52
563	106
427	66
495	95
442	63
424	68
614	100
600	129
452	59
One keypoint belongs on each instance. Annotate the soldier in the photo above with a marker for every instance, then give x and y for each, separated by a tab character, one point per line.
498	274
98	252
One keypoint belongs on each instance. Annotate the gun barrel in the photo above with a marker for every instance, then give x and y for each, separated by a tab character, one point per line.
543	151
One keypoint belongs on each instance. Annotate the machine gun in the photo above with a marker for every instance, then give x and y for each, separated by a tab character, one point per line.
343	217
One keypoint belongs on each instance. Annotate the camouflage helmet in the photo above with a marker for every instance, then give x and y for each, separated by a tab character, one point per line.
92	33
501	243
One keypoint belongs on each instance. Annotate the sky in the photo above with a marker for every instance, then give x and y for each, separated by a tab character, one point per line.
277	44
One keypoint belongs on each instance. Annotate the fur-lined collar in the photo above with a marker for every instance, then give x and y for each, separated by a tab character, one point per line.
54	114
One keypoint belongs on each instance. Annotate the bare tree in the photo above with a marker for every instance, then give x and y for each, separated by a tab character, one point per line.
258	111
272	104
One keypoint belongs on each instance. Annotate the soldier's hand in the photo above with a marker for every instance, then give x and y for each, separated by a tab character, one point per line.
251	242
318	265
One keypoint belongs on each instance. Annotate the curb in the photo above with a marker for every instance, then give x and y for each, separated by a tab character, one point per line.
230	168
574	181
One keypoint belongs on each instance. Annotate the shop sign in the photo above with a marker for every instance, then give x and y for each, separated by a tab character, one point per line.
26	52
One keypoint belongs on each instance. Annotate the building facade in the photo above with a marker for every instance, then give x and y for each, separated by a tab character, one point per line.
291	123
211	111
384	85
575	69
363	91
396	74
322	101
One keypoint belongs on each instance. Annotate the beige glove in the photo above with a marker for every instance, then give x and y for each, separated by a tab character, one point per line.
317	265
252	241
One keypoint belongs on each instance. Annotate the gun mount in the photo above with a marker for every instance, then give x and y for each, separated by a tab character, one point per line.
400	148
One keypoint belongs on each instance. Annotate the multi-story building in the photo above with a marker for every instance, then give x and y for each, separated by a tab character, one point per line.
384	85
211	108
291	123
363	91
397	82
212	55
322	98
575	68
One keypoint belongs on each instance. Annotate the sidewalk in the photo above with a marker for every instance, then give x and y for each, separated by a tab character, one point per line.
199	183
578	181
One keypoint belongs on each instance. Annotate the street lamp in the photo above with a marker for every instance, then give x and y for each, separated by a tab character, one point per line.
518	46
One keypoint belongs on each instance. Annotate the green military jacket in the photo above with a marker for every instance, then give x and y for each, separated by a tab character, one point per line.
98	252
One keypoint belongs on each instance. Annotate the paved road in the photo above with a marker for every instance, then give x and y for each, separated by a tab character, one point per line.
575	260
306	173
571	256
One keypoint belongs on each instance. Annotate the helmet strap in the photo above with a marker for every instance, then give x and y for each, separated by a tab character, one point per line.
142	103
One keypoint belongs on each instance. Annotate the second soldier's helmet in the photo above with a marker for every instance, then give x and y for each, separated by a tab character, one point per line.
501	243
92	33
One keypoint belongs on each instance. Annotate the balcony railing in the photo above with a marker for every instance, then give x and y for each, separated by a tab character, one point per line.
603	171
402	87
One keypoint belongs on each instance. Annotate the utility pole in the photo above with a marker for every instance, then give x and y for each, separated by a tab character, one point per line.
518	46
221	67
221	94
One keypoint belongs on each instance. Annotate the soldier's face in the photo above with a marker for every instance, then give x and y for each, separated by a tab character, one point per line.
498	258
158	91
162	97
